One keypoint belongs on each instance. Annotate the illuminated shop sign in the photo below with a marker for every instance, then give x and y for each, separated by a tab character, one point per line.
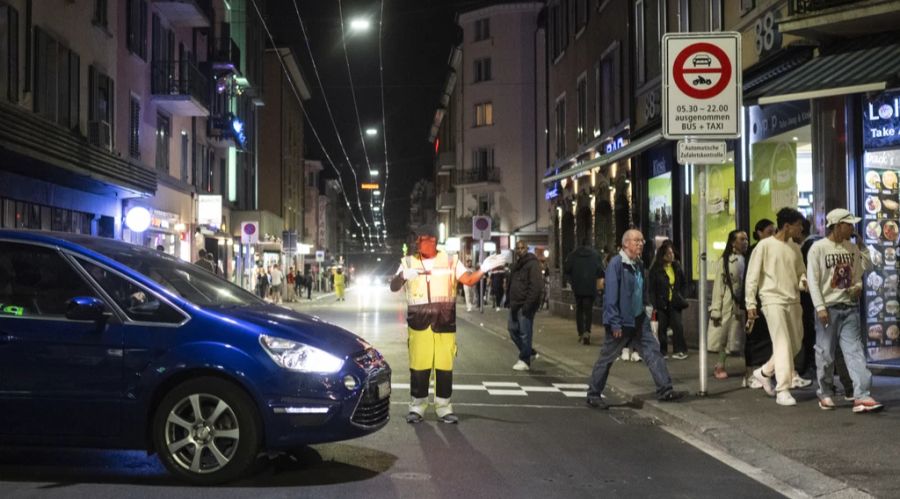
614	145
552	192
881	121
769	121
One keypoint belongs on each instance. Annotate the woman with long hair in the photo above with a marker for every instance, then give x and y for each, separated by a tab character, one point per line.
758	347
726	313
666	289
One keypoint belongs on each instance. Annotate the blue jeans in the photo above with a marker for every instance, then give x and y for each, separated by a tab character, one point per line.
612	347
843	326
521	327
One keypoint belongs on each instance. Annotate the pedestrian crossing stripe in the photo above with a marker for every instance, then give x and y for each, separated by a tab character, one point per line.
513	389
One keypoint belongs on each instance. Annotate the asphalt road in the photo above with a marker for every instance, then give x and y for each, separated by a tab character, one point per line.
520	435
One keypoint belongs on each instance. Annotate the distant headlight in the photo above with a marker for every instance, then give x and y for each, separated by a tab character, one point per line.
365	280
299	357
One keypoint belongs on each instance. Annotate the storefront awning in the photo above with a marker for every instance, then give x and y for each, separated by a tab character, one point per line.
859	66
628	151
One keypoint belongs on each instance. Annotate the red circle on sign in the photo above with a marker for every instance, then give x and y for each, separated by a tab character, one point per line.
249	229
481	224
680	71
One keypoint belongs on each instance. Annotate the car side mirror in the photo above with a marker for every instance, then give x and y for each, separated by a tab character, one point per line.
87	308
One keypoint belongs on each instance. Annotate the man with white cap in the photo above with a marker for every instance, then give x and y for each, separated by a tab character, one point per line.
834	272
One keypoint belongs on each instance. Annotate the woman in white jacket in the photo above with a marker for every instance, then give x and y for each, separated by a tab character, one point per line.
726	314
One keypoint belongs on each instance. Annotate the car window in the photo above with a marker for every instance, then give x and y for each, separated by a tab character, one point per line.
37	281
139	304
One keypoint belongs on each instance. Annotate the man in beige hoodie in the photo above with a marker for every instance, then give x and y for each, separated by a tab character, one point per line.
776	272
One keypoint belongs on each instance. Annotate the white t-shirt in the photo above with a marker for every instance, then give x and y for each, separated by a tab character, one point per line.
277	277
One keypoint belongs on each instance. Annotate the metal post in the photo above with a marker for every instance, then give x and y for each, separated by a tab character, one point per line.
702	313
480	281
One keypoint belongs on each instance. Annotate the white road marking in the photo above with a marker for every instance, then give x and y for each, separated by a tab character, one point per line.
575	394
507	392
491	384
513	389
571	386
540	389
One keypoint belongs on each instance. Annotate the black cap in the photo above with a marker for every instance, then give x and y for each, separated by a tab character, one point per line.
425	230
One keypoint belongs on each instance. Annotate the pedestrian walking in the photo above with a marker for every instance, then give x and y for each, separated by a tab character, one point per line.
262	282
309	285
776	272
583	271
525	286
626	316
666	293
469	291
498	284
429	277
757	344
291	284
204	262
276	281
834	270
726	313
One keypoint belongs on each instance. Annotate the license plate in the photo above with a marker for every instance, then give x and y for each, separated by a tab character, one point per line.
384	389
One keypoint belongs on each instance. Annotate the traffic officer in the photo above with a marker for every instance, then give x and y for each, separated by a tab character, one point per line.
430	277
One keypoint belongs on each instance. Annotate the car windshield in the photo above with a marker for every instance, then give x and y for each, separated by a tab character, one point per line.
181	278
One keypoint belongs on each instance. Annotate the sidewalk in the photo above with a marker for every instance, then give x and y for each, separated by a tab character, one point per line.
801	451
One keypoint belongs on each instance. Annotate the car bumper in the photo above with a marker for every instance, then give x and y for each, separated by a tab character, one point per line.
336	414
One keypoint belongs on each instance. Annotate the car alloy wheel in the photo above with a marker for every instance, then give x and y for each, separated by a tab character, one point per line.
206	431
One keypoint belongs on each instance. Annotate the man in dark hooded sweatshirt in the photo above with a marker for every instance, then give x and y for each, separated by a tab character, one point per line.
525	285
583	271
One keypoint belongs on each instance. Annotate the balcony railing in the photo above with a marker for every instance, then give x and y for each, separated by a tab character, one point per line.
226	56
186	13
181	86
479	175
808	6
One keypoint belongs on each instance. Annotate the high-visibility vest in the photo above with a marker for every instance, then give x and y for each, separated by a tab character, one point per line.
435	286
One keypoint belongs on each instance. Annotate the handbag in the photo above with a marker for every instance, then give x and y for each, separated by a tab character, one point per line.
678	302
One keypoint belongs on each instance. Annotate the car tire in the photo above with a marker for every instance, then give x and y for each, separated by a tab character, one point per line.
227	431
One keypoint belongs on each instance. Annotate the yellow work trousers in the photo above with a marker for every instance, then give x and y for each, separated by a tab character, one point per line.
430	351
339	291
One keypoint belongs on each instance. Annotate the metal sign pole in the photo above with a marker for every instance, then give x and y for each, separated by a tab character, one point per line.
480	281
702	282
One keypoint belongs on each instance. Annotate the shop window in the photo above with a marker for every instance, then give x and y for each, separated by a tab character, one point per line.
720	211
659	192
781	174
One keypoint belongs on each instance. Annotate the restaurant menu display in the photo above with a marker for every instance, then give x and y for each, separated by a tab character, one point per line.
881	230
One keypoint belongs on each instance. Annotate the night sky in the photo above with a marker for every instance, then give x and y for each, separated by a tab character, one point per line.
416	43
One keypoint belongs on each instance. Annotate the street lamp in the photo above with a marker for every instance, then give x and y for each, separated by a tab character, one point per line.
373	173
371	132
360	25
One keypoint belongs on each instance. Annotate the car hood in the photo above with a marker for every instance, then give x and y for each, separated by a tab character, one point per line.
308	329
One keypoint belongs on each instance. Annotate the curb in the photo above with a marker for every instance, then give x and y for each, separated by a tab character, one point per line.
719	439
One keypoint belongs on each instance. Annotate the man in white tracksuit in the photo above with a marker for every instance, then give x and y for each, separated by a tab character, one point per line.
776	273
834	270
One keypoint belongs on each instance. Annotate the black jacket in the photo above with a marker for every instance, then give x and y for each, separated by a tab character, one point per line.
658	288
583	268
526	282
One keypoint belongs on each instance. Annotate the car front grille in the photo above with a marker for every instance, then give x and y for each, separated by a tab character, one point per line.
372	411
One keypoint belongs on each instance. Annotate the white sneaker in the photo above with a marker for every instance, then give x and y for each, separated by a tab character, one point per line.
785	398
520	366
468	309
635	357
798	382
767	383
626	354
496	309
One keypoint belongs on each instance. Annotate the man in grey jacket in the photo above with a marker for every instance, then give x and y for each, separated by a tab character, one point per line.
525	285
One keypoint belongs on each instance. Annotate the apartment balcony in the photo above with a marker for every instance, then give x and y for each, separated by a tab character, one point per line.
480	180
180	88
446	202
226	130
186	13
225	57
446	162
823	19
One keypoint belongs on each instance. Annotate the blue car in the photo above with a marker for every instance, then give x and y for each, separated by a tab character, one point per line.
107	344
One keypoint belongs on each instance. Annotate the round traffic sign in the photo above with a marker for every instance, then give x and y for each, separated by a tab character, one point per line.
250	229
702	70
481	223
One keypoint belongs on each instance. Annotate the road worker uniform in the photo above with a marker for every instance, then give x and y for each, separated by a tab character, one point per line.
339	283
431	324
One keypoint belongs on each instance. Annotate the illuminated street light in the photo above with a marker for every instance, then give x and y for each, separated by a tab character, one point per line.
371	132
373	173
376	208
360	25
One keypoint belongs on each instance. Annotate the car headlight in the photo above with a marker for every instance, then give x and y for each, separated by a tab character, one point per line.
299	357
